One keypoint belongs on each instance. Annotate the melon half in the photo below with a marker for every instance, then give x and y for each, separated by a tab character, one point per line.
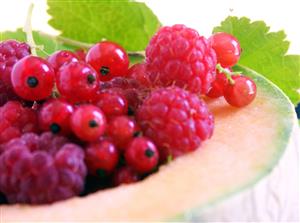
246	145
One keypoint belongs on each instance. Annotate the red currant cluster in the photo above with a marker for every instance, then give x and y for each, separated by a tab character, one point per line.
127	120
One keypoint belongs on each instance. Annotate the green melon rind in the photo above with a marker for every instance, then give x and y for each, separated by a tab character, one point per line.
287	124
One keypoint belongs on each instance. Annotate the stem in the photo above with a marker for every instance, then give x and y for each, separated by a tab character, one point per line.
28	30
83	45
226	72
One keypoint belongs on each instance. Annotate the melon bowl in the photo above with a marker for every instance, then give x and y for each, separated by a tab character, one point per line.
246	146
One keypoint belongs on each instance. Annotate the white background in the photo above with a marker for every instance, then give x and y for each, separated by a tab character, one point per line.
202	15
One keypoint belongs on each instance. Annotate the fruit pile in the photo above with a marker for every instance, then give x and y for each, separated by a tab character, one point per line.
75	123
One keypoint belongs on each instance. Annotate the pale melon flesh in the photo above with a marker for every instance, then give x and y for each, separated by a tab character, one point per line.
246	145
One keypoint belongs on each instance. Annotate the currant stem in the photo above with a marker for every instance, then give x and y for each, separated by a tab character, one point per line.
226	72
28	31
83	45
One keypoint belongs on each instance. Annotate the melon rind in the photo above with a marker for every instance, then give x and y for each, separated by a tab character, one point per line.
195	181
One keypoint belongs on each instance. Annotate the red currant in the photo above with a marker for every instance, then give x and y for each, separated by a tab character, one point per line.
33	78
88	123
138	72
219	84
81	54
142	155
62	57
242	92
101	158
227	48
125	175
122	129
55	115
77	82
109	59
112	103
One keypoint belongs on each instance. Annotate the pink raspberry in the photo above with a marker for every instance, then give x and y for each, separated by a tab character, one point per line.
176	120
16	120
41	169
11	51
178	55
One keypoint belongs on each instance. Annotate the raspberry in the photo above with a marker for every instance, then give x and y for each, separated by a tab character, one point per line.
176	120
139	72
16	120
31	171
142	155
179	55
10	52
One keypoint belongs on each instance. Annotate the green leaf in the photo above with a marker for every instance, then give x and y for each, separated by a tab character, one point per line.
128	23
50	45
265	52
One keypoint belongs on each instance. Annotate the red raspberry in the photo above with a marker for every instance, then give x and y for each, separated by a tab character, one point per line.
59	58
16	120
179	55
112	103
142	155
108	59
55	116
218	86
11	51
88	123
77	82
176	120
139	72
33	172
33	78
101	158
125	175
122	129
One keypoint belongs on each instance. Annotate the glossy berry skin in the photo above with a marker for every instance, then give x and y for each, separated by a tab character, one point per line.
125	175
227	48
88	123
122	129
33	78
55	116
59	58
101	158
108	59
242	92
218	86
112	103
77	82
142	155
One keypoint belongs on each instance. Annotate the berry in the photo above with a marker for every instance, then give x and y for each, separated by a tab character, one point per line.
33	172
77	82
218	86
139	72
112	103
101	158
16	120
178	55
108	59
55	116
176	120
81	54
142	155
11	51
242	92
125	175
122	129
88	122
59	58
227	48
33	78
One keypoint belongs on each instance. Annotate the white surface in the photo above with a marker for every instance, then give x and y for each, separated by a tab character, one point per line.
276	198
